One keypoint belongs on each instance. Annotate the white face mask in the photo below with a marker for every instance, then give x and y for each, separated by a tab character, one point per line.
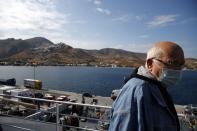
170	77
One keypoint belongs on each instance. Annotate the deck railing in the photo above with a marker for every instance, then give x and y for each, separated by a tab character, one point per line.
57	110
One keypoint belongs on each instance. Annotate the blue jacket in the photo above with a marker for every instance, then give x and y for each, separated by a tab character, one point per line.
141	107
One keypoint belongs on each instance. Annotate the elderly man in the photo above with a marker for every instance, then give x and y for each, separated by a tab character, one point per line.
144	103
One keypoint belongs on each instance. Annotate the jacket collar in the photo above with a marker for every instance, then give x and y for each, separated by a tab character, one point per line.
145	72
154	89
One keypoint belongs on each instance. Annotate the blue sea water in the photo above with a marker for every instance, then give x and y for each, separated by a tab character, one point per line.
95	80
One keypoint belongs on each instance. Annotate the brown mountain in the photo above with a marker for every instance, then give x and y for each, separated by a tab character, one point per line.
55	54
11	46
191	63
119	57
43	52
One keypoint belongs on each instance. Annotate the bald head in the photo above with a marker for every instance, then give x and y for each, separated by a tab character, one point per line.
169	52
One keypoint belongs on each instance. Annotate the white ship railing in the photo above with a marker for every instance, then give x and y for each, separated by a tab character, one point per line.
57	103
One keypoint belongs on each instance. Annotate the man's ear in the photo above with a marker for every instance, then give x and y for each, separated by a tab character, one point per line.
149	64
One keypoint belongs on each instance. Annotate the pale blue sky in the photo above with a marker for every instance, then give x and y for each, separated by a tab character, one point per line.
132	25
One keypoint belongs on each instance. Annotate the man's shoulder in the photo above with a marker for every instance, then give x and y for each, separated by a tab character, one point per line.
138	86
133	90
137	83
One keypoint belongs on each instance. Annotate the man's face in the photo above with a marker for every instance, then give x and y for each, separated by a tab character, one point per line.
170	56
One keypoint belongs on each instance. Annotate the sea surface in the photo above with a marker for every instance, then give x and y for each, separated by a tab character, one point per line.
95	80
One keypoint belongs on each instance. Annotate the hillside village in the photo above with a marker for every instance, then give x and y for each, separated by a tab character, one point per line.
39	51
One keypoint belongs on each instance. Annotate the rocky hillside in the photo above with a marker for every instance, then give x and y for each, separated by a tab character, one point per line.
191	63
43	52
56	54
11	46
118	57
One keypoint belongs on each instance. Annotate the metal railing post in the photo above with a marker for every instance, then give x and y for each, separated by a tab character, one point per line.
57	116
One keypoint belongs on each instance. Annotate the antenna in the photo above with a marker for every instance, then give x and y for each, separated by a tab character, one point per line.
34	65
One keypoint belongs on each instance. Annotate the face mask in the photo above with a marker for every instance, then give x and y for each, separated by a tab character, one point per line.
170	77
